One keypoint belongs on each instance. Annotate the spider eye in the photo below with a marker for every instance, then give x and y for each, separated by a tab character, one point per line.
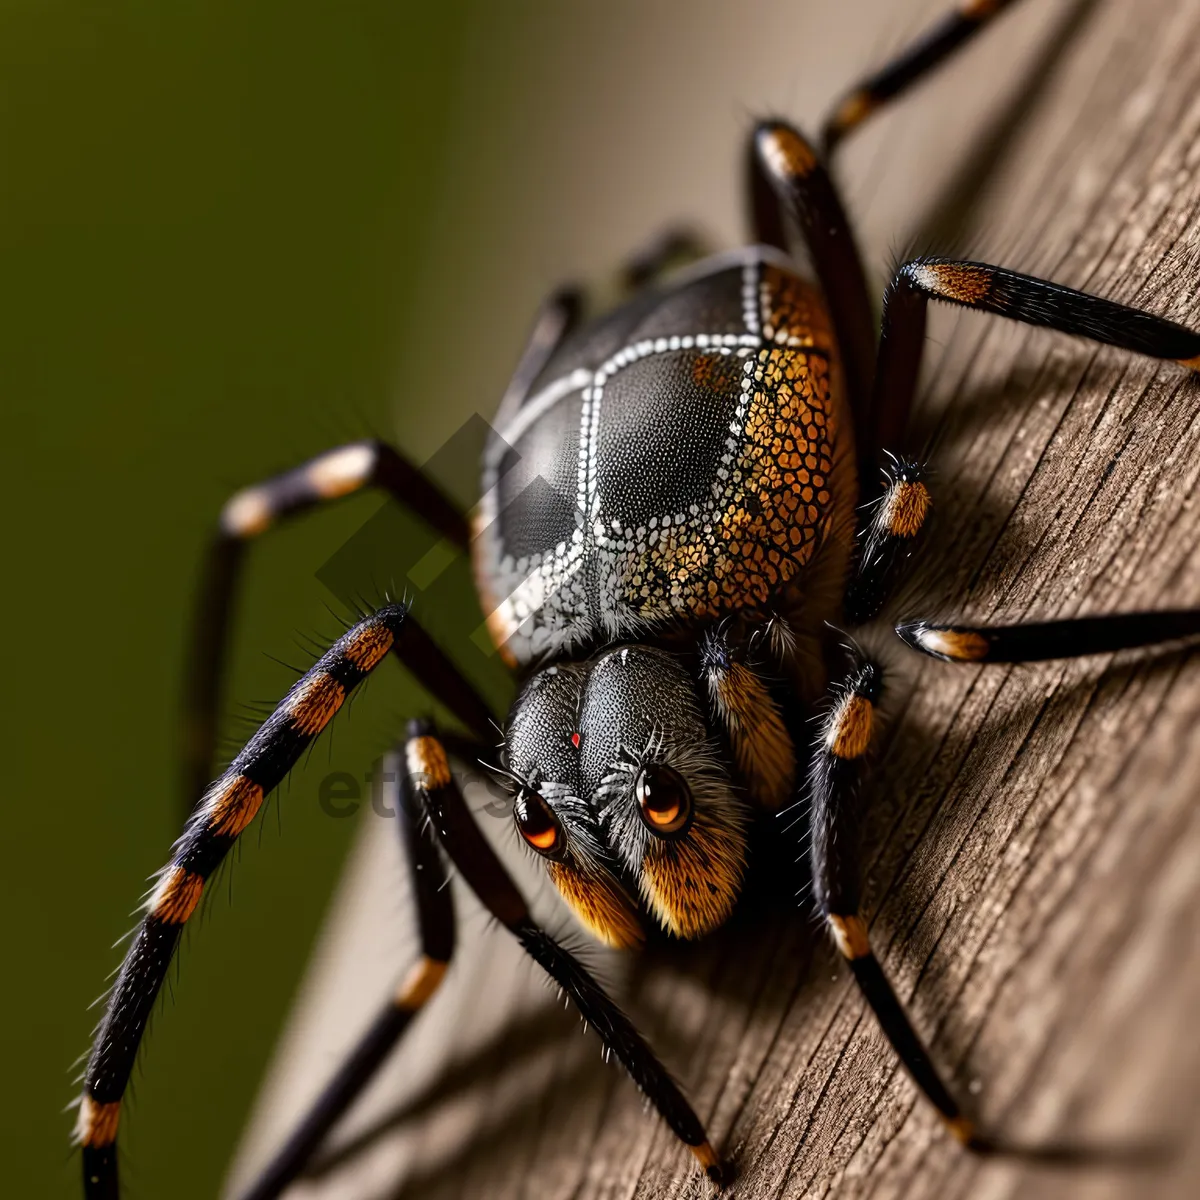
664	800
537	823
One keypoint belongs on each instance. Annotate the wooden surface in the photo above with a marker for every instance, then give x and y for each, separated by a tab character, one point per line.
1033	845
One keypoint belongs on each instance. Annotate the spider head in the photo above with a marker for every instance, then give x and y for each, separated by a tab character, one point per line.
619	789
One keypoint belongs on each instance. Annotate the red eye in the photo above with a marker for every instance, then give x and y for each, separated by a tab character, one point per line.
537	823
664	800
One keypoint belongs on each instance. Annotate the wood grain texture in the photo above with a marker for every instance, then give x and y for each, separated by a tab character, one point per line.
1033	845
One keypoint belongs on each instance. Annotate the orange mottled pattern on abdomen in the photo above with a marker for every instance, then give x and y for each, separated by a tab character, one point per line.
775	503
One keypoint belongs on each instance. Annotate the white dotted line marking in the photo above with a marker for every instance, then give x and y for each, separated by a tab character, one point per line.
563	562
751	298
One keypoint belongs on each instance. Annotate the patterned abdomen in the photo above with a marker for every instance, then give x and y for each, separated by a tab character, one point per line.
683	458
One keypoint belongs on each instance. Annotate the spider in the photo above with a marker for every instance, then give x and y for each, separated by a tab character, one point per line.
679	499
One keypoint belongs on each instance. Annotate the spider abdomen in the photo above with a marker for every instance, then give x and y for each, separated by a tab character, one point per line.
682	458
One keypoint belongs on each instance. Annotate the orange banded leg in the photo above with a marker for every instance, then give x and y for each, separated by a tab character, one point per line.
435	928
251	512
888	538
225	810
476	862
915	62
1037	641
1004	294
790	188
747	713
834	775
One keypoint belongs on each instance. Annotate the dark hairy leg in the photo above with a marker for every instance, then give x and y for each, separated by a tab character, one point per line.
790	192
887	537
435	928
251	512
1036	641
895	519
835	773
483	872
917	61
1003	293
226	809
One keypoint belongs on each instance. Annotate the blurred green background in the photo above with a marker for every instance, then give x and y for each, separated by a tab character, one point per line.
213	219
